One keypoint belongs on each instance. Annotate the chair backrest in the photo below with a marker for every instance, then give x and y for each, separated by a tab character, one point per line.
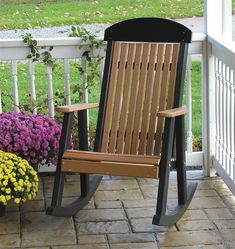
144	73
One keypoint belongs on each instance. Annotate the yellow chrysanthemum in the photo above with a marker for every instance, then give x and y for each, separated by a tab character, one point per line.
17	200
8	191
5	183
16	175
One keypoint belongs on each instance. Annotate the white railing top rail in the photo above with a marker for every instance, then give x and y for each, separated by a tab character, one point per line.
222	43
69	48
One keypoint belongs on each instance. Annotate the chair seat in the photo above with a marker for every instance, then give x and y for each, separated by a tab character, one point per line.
110	164
122	158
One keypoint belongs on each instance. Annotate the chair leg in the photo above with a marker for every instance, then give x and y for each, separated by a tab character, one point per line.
164	216
88	187
180	161
60	176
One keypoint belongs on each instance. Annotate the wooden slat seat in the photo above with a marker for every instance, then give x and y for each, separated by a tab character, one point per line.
99	156
110	164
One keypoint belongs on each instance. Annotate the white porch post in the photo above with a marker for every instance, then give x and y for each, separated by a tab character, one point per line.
227	19
218	17
207	108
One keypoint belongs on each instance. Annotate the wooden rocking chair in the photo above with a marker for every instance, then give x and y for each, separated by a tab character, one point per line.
140	120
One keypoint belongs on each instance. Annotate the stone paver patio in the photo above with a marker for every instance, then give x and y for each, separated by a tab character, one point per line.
119	217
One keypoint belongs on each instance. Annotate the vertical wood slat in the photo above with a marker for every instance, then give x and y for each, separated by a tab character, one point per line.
32	87
133	98
126	94
118	98
50	92
140	98
67	82
155	100
162	104
172	76
15	86
148	97
111	92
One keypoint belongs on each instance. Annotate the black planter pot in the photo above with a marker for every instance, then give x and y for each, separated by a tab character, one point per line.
2	210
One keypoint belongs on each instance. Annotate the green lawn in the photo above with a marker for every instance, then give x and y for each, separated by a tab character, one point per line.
23	14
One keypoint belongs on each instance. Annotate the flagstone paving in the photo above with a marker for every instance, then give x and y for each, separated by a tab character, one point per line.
119	216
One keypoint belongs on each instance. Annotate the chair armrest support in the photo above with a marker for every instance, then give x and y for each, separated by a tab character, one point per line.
76	107
171	113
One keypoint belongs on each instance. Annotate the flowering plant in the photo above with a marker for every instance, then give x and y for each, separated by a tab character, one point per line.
18	179
32	137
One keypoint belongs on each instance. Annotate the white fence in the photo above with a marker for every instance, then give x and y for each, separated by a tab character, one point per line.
220	113
69	49
223	101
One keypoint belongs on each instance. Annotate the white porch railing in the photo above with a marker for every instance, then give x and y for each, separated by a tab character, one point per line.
220	113
68	49
224	103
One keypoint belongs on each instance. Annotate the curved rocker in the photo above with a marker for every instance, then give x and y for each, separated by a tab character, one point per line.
173	215
78	204
140	119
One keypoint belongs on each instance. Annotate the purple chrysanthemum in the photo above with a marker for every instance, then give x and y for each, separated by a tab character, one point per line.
32	137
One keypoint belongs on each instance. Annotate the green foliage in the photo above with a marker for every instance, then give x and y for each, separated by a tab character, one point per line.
93	63
86	36
35	53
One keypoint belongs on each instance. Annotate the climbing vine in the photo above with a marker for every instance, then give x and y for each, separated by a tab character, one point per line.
35	53
93	63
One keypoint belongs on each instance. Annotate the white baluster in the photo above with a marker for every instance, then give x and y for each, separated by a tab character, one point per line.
84	80
224	141
32	87
85	88
50	92
220	110
217	94
101	70
189	106
228	117
67	82
233	123
15	86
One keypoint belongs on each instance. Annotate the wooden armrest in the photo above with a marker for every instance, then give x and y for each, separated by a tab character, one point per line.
171	113
76	107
